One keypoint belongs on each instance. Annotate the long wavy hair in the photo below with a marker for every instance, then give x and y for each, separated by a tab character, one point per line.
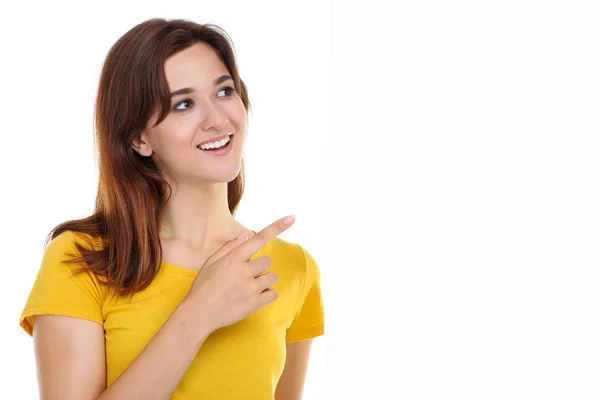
131	190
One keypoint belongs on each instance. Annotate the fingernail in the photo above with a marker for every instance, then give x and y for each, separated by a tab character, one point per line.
289	220
241	235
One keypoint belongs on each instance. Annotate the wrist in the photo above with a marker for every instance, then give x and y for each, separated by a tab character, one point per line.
190	324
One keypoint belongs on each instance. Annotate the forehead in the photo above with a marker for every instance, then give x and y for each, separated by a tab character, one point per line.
197	66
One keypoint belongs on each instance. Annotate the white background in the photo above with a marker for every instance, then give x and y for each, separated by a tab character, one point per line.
52	54
463	206
461	180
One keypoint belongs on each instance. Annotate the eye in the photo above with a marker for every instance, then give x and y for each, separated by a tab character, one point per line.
229	91
189	102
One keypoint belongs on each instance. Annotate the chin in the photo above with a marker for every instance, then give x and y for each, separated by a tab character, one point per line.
223	175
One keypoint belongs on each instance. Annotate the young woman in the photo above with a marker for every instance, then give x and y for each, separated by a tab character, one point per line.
161	293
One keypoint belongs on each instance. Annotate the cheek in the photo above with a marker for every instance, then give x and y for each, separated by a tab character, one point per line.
240	118
238	108
176	134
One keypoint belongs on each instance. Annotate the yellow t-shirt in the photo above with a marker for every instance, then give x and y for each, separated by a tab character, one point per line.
241	361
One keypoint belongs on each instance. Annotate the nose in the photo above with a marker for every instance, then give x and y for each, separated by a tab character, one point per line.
214	118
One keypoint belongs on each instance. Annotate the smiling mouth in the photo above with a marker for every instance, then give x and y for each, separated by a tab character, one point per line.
223	147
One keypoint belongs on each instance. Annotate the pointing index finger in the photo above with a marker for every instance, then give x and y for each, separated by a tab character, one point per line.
256	242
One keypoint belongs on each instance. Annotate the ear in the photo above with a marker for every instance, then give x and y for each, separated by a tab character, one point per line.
140	144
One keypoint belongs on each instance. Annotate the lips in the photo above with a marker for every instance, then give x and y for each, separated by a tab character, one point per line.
209	149
221	151
215	139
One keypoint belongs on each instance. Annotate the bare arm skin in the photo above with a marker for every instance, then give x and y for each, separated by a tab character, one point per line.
70	359
291	383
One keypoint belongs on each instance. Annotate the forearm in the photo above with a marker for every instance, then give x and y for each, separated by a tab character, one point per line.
157	371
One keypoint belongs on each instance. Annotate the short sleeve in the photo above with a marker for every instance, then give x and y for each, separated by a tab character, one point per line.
58	290
309	322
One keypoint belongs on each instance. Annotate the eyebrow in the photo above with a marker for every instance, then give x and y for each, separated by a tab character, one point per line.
188	90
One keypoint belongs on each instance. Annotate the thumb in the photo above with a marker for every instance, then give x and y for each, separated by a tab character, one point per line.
227	247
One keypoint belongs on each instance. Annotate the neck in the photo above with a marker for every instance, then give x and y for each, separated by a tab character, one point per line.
198	216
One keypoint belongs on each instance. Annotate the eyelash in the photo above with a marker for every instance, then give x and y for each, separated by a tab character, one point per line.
229	90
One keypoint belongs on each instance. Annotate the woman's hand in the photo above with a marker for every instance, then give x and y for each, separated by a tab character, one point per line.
229	287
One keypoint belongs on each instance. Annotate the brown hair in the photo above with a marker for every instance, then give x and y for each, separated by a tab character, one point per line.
131	191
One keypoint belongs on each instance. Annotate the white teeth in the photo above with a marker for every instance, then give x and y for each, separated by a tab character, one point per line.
215	145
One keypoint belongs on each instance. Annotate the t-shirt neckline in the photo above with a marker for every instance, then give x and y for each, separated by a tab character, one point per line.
192	273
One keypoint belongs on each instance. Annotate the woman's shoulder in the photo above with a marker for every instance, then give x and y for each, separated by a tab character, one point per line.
63	255
67	240
294	254
285	247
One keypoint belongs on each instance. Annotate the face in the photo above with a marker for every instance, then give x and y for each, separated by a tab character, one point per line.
205	108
